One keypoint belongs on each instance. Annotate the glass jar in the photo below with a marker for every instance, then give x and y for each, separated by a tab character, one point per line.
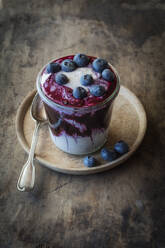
78	130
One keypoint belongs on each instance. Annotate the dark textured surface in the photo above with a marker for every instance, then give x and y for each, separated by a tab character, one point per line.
124	207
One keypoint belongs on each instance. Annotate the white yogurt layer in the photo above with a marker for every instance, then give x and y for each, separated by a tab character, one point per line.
74	76
44	77
79	145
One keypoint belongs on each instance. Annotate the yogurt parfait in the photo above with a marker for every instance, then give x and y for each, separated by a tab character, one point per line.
78	92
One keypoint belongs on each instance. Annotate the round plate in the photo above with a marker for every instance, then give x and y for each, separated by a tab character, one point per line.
128	123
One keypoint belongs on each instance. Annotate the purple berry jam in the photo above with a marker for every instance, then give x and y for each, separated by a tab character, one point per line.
63	95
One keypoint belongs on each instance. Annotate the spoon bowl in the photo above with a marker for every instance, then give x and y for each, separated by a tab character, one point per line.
37	110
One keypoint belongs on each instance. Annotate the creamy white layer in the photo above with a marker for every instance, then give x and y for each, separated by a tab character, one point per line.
44	77
74	76
79	145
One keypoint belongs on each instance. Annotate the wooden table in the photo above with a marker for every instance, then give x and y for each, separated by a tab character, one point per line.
120	208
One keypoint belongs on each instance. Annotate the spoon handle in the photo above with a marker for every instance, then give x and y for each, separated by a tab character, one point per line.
27	175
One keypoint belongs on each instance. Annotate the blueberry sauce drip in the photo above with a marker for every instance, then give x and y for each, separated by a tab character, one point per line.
96	121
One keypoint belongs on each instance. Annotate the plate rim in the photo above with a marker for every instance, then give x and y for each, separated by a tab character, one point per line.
85	171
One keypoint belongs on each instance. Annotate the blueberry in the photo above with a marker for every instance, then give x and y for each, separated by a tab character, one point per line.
99	65
86	79
68	65
79	93
121	147
108	155
97	90
81	60
61	79
53	68
90	161
108	75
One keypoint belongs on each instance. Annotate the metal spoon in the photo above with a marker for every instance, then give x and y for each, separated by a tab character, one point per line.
27	177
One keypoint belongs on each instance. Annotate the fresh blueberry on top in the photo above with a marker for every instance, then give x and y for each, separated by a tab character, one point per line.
99	65
86	79
61	79
68	65
108	155
90	161
53	67
97	90
108	75
81	60
79	93
121	147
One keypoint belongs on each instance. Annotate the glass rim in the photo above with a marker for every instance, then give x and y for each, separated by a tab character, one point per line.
79	109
